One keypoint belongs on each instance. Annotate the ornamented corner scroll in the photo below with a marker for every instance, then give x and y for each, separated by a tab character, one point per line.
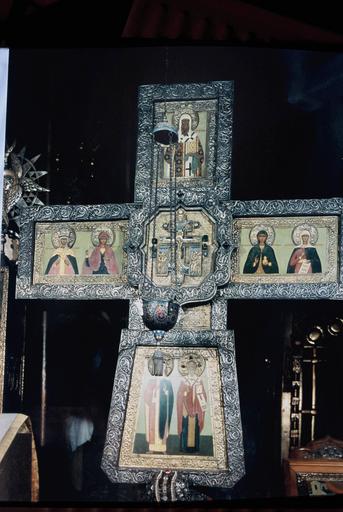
74	252
4	277
207	108
126	456
286	249
192	269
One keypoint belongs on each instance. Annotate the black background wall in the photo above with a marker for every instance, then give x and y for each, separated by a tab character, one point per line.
78	109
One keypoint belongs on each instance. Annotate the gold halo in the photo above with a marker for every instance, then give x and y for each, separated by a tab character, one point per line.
185	109
96	232
260	227
63	230
296	233
191	356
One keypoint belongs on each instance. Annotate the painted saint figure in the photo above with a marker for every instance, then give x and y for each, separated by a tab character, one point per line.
102	259
261	258
186	158
63	261
191	405
159	401
304	258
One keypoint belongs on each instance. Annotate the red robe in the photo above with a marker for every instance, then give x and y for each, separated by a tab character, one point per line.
92	263
189	398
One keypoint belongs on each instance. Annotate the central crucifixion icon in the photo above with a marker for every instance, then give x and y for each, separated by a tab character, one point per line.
180	248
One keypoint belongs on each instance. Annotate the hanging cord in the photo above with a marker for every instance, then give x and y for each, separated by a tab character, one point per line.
148	255
172	196
172	224
155	210
175	243
153	207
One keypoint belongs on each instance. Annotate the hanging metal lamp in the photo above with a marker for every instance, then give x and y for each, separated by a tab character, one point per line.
160	316
165	134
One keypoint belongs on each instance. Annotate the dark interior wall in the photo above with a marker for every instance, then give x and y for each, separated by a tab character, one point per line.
59	99
78	106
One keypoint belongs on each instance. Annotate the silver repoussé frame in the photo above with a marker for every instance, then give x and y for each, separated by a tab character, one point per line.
204	291
221	340
287	208
82	288
152	105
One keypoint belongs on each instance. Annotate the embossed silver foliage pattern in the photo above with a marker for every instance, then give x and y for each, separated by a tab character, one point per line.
219	313
261	207
283	291
183	295
224	341
305	207
29	216
135	315
203	184
221	148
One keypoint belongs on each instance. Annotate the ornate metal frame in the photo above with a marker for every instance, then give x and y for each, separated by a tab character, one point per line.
26	289
208	288
224	342
303	480
288	290
320	460
219	146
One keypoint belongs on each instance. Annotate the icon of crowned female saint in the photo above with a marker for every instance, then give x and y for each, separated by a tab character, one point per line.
186	158
62	261
102	259
191	402
158	403
304	258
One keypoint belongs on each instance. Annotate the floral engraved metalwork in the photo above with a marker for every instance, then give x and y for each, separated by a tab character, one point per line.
128	458
195	287
31	285
183	254
227	465
195	317
43	233
310	212
219	313
288	226
211	101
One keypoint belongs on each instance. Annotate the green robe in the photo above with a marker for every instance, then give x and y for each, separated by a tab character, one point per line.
267	253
